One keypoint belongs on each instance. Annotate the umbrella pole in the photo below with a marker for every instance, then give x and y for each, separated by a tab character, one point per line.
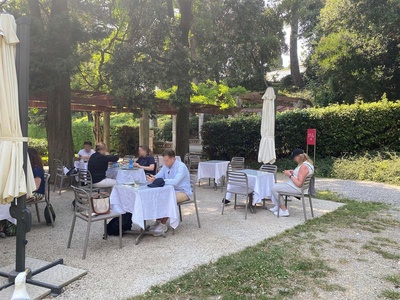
18	208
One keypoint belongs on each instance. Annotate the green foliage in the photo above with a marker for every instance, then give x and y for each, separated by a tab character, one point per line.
126	140
341	129
39	144
37	131
232	137
357	55
209	92
81	132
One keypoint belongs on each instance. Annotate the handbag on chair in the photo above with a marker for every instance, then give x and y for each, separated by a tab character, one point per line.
100	203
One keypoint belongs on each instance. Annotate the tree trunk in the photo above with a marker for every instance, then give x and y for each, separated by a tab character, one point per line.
59	132
184	85
294	58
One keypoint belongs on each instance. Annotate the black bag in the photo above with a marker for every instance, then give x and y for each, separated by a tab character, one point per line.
47	214
113	225
72	171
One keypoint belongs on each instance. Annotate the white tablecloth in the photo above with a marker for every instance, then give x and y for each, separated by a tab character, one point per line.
146	203
260	182
5	213
212	169
161	160
80	164
126	175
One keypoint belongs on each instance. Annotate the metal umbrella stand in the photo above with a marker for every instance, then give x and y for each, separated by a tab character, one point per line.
18	208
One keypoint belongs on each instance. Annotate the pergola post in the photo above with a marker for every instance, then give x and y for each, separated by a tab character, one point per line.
174	132
201	121
106	128
144	129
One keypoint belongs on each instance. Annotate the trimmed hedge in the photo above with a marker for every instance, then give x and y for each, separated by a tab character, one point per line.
341	129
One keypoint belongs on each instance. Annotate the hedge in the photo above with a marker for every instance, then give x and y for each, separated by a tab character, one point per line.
341	129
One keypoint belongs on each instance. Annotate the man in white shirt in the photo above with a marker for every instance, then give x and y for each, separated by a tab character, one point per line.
173	173
87	151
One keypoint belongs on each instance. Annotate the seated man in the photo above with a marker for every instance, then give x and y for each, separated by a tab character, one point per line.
174	173
98	165
87	151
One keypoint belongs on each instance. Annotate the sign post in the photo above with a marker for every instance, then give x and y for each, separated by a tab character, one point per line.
312	140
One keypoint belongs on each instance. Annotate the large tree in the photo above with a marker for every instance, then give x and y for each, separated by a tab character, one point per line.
52	47
301	16
358	54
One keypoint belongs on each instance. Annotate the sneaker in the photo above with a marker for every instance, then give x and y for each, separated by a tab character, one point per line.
154	226
2	235
226	201
274	209
160	230
282	213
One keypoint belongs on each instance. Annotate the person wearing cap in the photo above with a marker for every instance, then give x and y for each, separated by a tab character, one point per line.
294	183
173	173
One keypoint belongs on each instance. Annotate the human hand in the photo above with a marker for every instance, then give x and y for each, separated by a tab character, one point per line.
136	165
150	178
287	172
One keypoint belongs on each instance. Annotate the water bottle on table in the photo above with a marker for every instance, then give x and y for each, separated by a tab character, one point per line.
131	163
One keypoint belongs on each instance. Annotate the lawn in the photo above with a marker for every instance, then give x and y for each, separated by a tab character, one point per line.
290	263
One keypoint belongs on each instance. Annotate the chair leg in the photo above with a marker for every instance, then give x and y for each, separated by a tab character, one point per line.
120	231
279	205
286	201
180	213
105	229
223	205
234	207
247	202
61	184
86	239
197	213
311	207
55	184
304	207
72	231
37	212
51	215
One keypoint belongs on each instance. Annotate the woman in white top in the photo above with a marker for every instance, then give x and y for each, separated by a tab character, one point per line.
295	182
87	151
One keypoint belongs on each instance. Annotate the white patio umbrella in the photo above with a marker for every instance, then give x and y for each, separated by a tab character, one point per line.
12	176
266	152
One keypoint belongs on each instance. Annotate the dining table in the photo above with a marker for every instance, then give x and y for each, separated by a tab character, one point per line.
145	203
259	181
214	169
125	175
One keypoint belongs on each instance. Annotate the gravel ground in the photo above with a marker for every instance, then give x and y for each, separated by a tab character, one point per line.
359	273
361	190
118	274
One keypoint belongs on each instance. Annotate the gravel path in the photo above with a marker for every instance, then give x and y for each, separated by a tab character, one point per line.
361	190
120	273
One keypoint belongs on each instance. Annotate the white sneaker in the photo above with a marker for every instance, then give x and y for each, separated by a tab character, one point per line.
274	209
154	226
282	213
160	230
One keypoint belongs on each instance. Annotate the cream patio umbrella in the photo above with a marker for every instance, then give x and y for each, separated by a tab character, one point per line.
266	151
12	177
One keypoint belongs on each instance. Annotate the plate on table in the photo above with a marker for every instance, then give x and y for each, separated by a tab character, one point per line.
129	183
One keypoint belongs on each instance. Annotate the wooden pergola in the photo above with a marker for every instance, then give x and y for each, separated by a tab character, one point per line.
103	103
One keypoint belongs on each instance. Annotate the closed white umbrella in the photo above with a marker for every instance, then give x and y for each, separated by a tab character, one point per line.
266	152
12	177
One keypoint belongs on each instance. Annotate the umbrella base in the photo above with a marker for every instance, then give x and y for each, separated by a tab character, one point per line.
47	278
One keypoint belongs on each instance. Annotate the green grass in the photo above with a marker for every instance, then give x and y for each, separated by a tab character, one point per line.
277	268
390	294
395	279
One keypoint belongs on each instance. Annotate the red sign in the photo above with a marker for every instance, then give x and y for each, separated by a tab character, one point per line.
311	136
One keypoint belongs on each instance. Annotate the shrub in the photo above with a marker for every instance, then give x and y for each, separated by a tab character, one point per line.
37	132
81	132
127	140
341	129
40	145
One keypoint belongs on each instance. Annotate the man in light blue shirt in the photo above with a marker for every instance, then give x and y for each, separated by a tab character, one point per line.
174	173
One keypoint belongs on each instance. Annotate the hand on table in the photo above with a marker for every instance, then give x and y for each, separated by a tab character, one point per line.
136	165
150	178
